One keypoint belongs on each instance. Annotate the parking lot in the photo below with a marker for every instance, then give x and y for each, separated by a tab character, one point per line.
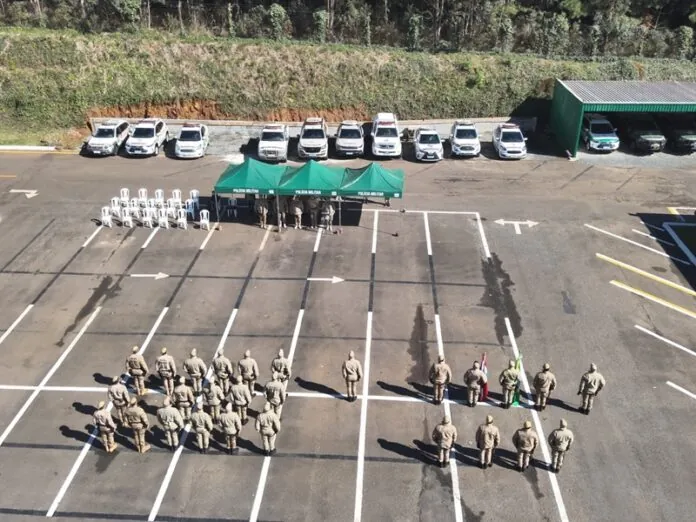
453	273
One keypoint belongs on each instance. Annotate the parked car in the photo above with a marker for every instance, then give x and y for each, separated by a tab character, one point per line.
192	141
599	134
349	139
427	144
386	140
107	138
509	142
147	138
273	144
314	140
680	131
641	133
464	139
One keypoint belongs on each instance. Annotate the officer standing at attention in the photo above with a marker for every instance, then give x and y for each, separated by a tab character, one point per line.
487	439
444	435
202	424
171	421
268	425
231	425
526	441
560	440
296	207
106	425
352	373
196	369
281	365
275	394
166	367
313	206
509	380
249	370
544	383
440	377
119	396
137	368
591	384
139	423
213	397
262	210
222	367
183	399
474	378
240	397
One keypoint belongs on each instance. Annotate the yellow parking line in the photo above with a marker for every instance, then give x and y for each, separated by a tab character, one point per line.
7	176
654	299
647	274
674	211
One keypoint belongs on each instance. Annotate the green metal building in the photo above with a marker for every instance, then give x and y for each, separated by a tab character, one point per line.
573	98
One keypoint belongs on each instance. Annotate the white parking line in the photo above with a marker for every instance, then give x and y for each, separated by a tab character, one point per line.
679	260
537	424
684	391
94	234
210	234
486	250
665	340
149	238
653	237
16	322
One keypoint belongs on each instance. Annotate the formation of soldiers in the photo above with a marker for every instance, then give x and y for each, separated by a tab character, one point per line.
525	439
317	208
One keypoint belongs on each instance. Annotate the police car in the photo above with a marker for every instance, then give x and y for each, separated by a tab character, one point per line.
108	138
147	138
192	141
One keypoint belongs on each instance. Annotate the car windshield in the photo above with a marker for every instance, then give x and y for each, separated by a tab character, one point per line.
601	128
313	134
350	134
386	132
466	134
272	136
645	125
190	135
105	133
429	139
511	137
144	132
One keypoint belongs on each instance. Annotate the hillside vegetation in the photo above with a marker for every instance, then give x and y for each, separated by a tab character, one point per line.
55	80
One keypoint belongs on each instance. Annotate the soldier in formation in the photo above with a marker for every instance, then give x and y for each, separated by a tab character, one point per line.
231	425
139	423
184	399
526	441
352	374
249	371
202	424
282	366
544	383
171	421
560	440
283	209
261	208
296	209
136	367
591	384
106	425
222	367
240	397
444	435
196	369
119	396
166	368
268	425
487	439
313	207
509	380
440	377
275	394
213	397
474	378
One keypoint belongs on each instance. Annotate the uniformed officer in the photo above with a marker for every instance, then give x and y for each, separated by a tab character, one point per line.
119	396
509	379
352	373
171	421
240	397
213	397
166	367
139	423
474	378
487	439
544	383
281	365
137	368
106	425
444	435
183	399
560	440
268	425
231	425
202	424
440	377
591	384
313	206
296	208
526	441
283	207
196	369
275	394
249	370
261	207
222	367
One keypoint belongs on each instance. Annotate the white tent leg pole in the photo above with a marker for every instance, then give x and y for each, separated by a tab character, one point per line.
278	213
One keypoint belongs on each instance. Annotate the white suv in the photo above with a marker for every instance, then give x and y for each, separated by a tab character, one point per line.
148	138
273	144
108	138
509	142
314	139
427	145
464	139
349	139
192	141
386	140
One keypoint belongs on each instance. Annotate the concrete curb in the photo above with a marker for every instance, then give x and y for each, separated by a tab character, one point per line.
26	148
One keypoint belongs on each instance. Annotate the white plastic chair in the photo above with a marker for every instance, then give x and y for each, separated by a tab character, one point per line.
231	207
116	207
134	208
176	195
125	196
204	220
148	216
162	218
195	196
171	208
159	197
142	197
190	207
151	203
181	220
106	217
126	218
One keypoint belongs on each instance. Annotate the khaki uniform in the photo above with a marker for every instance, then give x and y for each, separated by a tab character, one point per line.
440	377
591	384
231	425
202	425
107	428
119	396
136	367
184	399
487	439
166	368
296	209
275	395
544	383
313	206
214	397
526	441
560	441
261	208
282	366
172	423
268	425
241	398
222	367
444	435
327	214
509	379
474	378
139	423
283	207
352	373
196	369
249	371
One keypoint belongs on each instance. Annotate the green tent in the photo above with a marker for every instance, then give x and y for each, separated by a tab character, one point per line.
312	179
373	180
251	177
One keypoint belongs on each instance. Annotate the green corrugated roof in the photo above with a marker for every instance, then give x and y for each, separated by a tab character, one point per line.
618	92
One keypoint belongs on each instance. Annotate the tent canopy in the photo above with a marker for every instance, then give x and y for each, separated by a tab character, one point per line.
312	179
251	177
373	180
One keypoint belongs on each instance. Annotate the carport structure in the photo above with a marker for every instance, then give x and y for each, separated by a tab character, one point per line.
573	98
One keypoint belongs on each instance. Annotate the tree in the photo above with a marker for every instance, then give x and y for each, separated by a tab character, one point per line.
278	19
683	42
415	27
319	17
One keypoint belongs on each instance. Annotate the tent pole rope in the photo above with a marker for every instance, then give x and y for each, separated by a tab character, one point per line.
217	208
340	221
277	198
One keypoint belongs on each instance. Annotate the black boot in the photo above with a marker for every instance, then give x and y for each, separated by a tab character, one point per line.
235	451
490	464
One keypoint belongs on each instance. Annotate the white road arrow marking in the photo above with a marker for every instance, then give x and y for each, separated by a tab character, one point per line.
28	193
517	224
158	275
333	279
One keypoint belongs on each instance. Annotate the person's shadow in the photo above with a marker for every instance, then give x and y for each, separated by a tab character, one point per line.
402	391
100	378
406	451
558	403
85	409
80	436
315	387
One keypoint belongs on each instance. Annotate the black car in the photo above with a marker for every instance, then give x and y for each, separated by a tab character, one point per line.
680	130
641	133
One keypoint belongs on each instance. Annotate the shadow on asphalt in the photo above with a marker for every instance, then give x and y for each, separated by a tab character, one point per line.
408	451
315	387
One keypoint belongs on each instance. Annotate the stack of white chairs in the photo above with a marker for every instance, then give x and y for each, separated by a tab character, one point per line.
126	218
204	219
125	197
159	198
106	220
148	217
162	218
142	197
181	219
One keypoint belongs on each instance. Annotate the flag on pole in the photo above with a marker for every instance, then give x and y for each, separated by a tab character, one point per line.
484	369
516	396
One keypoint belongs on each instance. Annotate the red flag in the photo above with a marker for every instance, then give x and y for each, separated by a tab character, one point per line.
484	369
